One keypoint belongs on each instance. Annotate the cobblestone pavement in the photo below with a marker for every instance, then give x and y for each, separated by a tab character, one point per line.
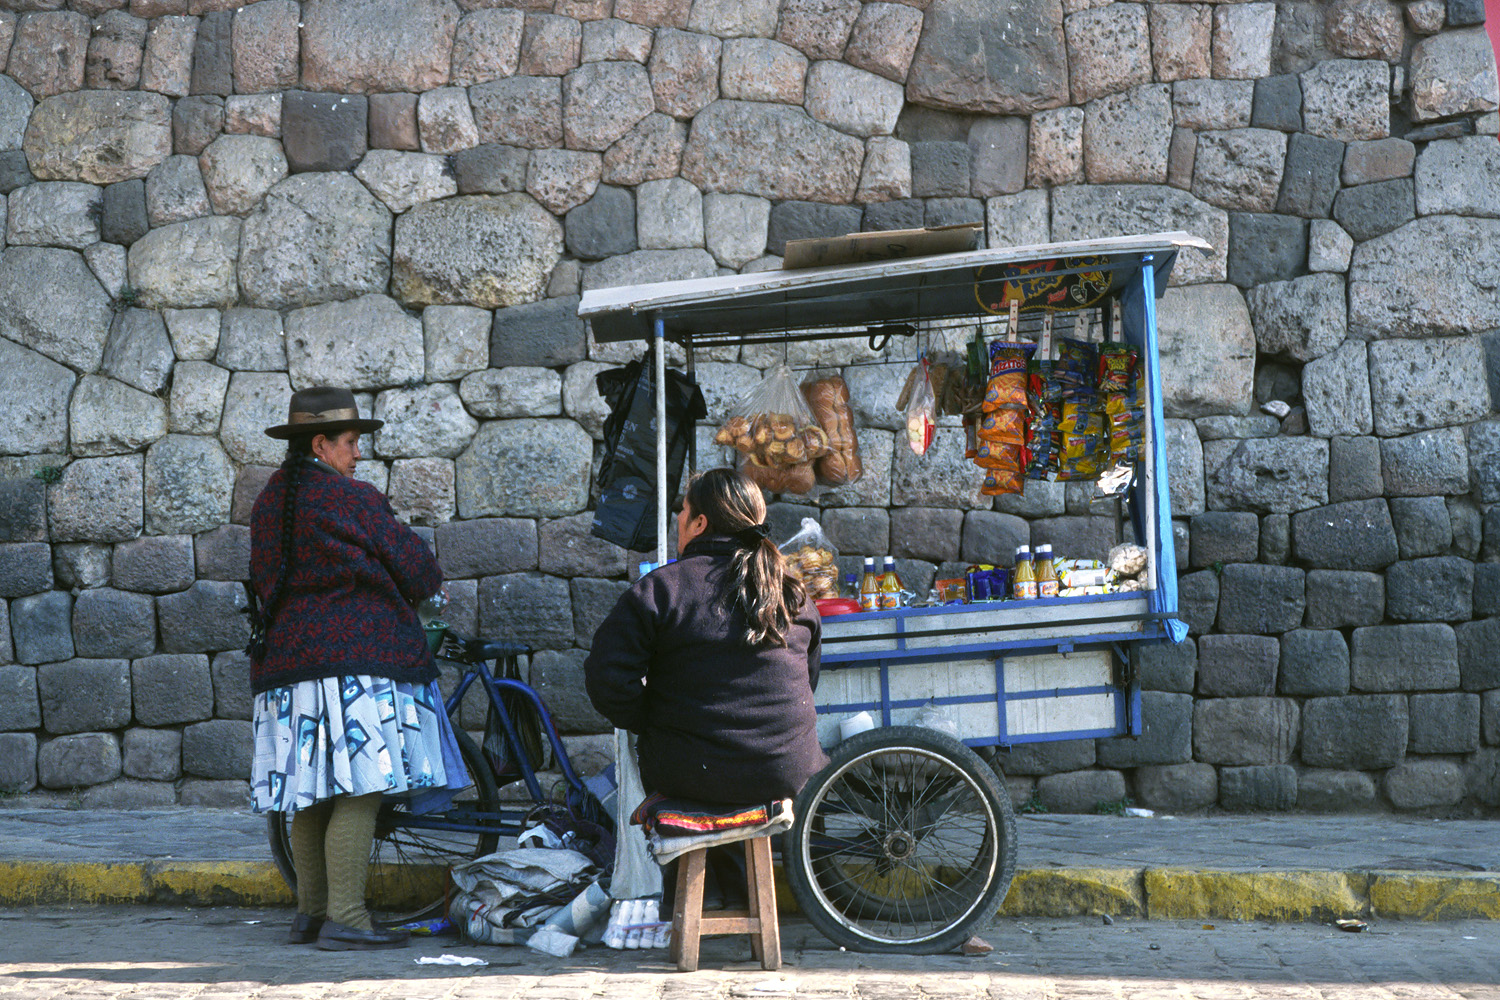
160	953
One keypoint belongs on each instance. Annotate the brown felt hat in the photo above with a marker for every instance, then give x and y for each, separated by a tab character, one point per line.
322	409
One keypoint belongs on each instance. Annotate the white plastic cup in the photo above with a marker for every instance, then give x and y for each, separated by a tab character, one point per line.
856	724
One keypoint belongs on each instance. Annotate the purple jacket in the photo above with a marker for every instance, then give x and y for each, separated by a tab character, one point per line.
356	575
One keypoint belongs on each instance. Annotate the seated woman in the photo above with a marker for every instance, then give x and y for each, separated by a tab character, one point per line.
712	660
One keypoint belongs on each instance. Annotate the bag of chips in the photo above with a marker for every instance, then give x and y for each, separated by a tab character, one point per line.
1117	363
1006	389
921	412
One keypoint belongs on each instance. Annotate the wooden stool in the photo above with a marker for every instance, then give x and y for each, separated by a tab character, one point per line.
690	922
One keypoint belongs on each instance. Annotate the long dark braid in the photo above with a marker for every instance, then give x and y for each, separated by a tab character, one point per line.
297	450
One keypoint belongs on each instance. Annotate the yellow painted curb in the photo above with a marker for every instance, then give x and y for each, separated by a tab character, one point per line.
218	883
1432	896
1186	894
30	883
1075	892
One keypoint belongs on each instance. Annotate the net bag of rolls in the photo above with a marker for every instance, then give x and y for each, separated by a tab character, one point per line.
828	398
775	434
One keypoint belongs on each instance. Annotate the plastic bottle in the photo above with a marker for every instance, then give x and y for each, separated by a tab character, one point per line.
890	585
869	587
851	587
1046	573
1025	577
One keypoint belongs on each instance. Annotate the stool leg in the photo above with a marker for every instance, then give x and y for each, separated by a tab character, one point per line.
763	894
752	882
687	911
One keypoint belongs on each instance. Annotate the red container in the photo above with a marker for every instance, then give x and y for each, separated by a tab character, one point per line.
830	606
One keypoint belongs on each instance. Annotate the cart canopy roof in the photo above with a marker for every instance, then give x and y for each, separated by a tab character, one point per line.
1052	276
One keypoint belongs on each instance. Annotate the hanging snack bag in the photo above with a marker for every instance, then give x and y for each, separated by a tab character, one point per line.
921	412
1083	441
1006	389
1076	368
1008	476
1003	427
1117	363
828	399
811	557
772	425
1045	397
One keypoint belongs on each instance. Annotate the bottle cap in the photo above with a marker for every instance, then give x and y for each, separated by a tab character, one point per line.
1023	550
869	561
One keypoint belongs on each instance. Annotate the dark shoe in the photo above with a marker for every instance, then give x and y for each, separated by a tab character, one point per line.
304	929
338	937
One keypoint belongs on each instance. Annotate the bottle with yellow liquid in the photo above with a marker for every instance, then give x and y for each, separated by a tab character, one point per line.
1046	573
869	587
890	585
1024	588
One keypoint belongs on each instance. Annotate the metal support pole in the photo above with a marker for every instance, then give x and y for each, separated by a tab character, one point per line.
659	376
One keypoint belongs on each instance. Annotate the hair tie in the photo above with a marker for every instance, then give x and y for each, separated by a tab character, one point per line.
752	536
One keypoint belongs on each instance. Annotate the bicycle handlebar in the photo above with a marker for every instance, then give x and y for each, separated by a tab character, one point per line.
474	649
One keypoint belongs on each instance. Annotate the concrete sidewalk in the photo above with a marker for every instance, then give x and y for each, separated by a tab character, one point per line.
1286	868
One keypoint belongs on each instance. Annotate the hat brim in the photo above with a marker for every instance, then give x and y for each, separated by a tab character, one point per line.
284	432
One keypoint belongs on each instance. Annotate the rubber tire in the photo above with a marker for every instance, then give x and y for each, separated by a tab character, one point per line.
833	913
485	798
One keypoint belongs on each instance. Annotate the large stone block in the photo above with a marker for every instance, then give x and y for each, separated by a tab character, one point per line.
1425	464
1444	723
487	46
23	510
1424	784
1314	662
517	391
320	352
1177	788
1207	351
1372	210
207	617
1355	731
17	762
736	227
558	677
969	60
1166	666
1479	667
1109	50
113	623
51	302
218	748
1266	475
223	553
1126	136
593	600
370	46
422	422
481	250
19	706
1347	99
49	52
153	755
175	191
1261	599
603	226
526	468
940	478
172	688
1237	666
669	215
1354	468
905	533
1329	791
231	680
603	101
1404	658
684	69
78	761
1439	588
1357	534
80	695
1264	248
98	136
110	417
1080	791
532	608
456	341
33	402
1224	537
54	213
1311	179
1240	168
1092	211
80	565
1419	384
1244	731
800	220
767	150
487	546
97	500
1052	757
1198	600
1336	393
1302	319
1434	261
567	548
1271	788
187	264
1166	734
25	568
196	122
521	111
1343	599
1453	73
253	402
1484	459
189	484
547	333
852	100
1458	177
139	351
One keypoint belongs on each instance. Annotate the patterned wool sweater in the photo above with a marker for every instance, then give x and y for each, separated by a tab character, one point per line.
356	576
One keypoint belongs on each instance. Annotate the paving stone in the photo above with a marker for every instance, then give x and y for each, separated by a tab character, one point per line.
207	617
80	565
1265	248
172	688
1423	527
868	531
1451	74
79	695
1166	666
1198	600
1432	462
78	761
25	568
1439	588
1224	537
1244	731
1311	177
323	132
113	623
1356	534
153	755
1235	666
219	749
1266	788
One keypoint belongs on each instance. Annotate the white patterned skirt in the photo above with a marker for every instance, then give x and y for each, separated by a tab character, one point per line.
353	735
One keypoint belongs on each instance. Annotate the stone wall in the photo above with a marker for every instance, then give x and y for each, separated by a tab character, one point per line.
208	204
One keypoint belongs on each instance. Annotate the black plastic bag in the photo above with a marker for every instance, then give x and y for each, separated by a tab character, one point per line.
626	514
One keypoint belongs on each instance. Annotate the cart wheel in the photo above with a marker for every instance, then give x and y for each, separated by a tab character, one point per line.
903	843
409	865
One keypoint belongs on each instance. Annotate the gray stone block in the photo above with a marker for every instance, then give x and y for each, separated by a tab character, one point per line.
1177	788
565	547
487	546
1378	160
806	220
80	565
545	334
940	169
1355	534
23	510
25	568
1326	791
1359	732
224	553
1271	788
1277	103
78	761
1310	182
1080	791
1314	662
1484	450
79	695
207	617
124	218
113	623
126	794
1424	784
916	575
1224	537
219	748
1489	716
1043	499
907	532
1403	658
1490	549
602	226
527	607
558	677
202	793
1237	666
1486	590
1261	599
1444	723
1372	210
1072	536
1478	654
785	519
1344	599
213	55
1463	13
1491	342
230	673
952	212
1439	588
1243	731
1198	600
17	762
1423	527
42	627
1468	526
247	486
905	213
152	754
1052	757
155	564
1275	539
1482	776
1166	666
15	171
1266	475
323	132
19	706
493	168
998	150
172	688
593	600
196	122
992	537
1166	734
1265	248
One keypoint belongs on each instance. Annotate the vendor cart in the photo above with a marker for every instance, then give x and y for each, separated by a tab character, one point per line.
906	841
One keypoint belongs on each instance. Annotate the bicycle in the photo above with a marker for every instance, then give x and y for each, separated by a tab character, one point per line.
412	854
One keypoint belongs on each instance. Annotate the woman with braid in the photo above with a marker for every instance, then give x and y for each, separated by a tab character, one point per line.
346	705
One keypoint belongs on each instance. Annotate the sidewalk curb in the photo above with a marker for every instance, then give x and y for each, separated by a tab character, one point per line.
1152	893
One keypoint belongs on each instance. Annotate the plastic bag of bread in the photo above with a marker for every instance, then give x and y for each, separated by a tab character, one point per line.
828	398
779	478
773	426
811	557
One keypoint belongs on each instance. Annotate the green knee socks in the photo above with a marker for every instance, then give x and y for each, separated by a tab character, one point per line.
346	849
309	826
